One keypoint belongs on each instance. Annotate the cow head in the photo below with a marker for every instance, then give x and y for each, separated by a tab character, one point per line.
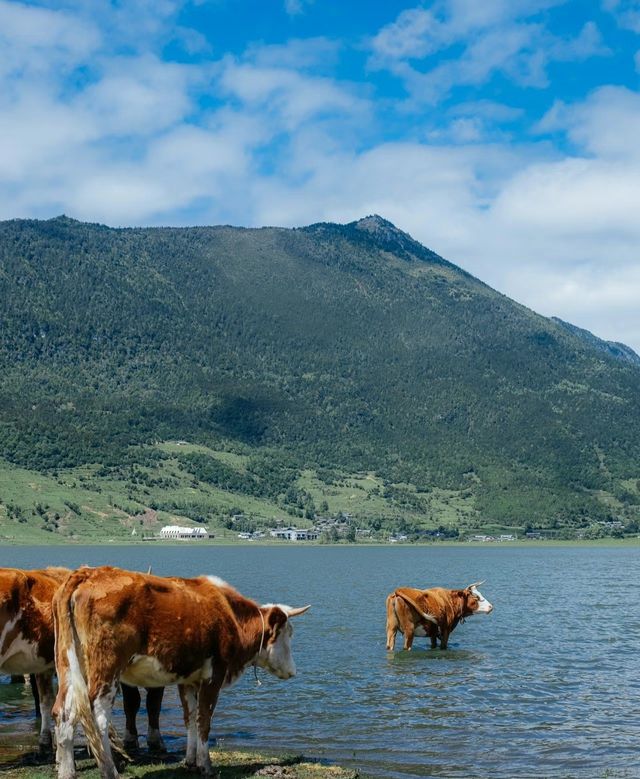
275	652
474	601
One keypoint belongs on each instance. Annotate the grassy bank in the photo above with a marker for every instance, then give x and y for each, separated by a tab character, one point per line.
122	504
230	764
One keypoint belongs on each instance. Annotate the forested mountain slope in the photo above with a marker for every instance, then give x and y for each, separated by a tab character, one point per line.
349	347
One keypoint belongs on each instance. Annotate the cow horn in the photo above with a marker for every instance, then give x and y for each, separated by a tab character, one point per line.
290	612
476	584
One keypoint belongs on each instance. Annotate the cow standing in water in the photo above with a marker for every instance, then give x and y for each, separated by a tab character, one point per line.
433	613
26	633
27	648
200	634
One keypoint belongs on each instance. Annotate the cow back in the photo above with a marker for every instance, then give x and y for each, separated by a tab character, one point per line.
179	622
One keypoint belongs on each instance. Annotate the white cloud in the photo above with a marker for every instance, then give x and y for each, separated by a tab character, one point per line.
294	98
298	53
606	124
139	95
422	47
296	7
626	13
35	42
414	34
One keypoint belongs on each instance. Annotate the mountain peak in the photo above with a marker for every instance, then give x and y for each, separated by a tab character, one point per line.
376	225
63	219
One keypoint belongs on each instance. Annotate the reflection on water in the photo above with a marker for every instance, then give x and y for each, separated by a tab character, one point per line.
545	686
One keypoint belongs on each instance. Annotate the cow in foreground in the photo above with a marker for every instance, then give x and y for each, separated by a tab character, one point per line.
26	633
27	647
200	634
434	612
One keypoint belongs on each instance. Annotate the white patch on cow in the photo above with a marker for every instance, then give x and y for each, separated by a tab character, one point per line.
203	759
77	686
66	720
282	606
276	657
148	671
64	748
6	629
484	607
207	670
21	657
218	581
102	707
190	704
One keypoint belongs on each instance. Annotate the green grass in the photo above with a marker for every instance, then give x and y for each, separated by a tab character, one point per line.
91	504
228	764
81	504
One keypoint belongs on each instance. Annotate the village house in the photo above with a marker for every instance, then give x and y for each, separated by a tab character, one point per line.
189	533
294	534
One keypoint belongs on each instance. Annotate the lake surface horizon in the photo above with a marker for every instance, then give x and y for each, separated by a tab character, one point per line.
545	686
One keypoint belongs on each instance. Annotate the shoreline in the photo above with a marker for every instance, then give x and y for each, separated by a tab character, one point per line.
188	543
227	764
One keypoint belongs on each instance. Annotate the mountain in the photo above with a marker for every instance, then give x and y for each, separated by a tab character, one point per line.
612	348
346	347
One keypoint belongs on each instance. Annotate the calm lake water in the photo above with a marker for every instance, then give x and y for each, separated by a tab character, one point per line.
545	686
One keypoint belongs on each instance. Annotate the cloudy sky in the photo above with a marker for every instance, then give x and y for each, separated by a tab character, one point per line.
503	134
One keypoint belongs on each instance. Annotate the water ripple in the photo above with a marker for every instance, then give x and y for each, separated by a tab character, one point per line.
546	686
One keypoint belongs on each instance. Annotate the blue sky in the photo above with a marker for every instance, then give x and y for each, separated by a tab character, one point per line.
503	134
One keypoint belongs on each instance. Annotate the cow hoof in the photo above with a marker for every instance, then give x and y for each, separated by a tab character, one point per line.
120	762
192	767
156	746
131	744
45	744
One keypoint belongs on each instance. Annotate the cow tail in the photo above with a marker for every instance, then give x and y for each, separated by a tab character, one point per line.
68	643
414	605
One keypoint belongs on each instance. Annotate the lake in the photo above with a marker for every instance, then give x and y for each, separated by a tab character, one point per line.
547	685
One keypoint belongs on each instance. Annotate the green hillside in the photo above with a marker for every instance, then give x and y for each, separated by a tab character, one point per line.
299	359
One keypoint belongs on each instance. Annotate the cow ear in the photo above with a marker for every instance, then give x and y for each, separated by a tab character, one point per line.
276	618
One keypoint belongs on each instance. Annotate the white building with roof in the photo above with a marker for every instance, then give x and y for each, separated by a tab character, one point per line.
176	531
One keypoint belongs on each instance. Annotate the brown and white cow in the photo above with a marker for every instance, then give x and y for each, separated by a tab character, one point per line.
27	647
434	612
200	633
26	633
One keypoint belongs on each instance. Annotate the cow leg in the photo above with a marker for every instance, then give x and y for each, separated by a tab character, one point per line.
44	689
154	704
408	637
65	717
391	639
444	638
392	624
102	707
433	636
36	694
189	699
207	700
131	705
